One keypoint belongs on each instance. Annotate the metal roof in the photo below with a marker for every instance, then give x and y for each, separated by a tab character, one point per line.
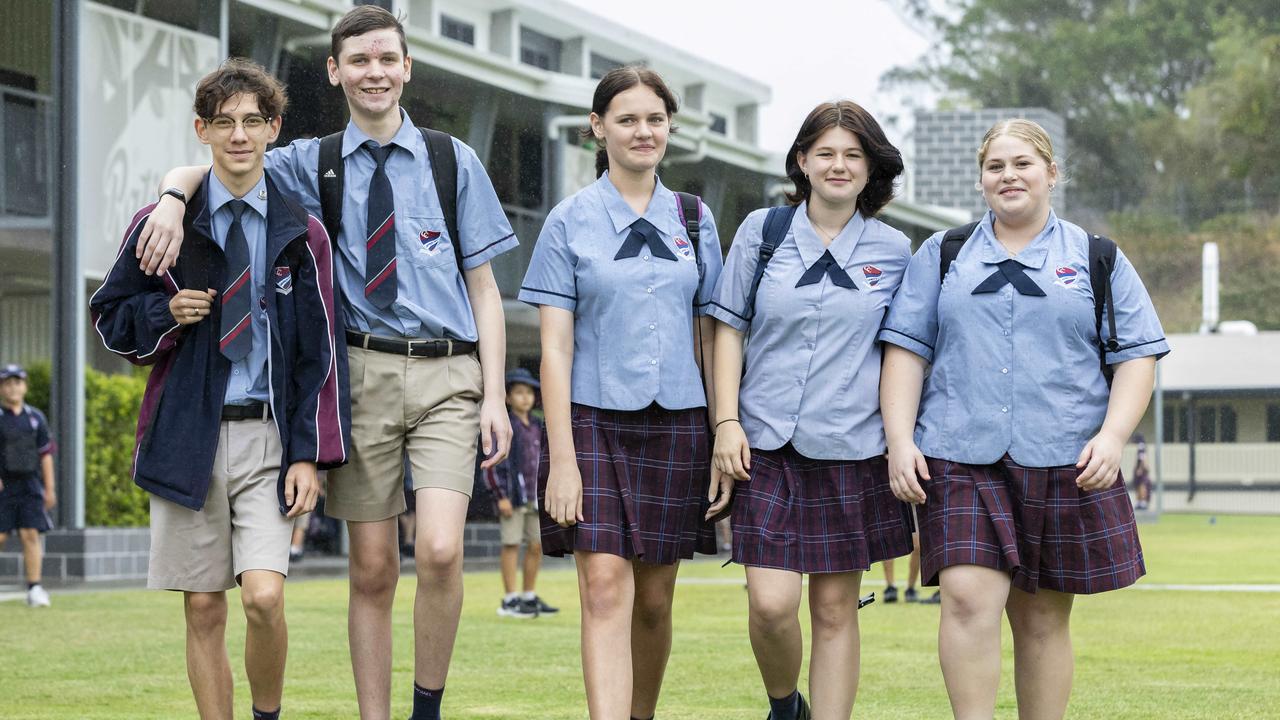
1206	363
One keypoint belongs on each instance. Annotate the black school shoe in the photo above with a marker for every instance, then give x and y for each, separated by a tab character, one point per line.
890	594
935	599
517	608
910	595
802	714
544	608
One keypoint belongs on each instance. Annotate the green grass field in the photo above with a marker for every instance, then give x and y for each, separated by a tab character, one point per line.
1140	653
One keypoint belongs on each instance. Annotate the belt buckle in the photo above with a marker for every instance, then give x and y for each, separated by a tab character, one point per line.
418	348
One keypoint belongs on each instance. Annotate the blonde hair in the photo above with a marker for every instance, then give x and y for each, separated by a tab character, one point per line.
1022	129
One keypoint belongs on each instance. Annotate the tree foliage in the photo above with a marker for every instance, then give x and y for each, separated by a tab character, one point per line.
1136	79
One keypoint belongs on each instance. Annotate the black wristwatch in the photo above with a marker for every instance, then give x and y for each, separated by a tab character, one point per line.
175	192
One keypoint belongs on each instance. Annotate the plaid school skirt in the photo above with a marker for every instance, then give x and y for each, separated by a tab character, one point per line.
1031	522
644	485
817	516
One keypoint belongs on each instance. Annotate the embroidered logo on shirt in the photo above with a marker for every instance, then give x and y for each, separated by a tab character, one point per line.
872	274
431	244
1066	276
283	277
685	249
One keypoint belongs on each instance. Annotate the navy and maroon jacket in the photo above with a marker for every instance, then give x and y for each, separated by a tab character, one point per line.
181	413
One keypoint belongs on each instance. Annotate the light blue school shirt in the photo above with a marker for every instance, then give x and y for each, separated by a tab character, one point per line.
1010	372
247	381
812	363
632	318
432	299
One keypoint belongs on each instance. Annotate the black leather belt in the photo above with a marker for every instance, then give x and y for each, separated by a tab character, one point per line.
410	348
252	411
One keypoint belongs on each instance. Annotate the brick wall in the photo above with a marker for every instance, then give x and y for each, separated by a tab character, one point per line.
946	147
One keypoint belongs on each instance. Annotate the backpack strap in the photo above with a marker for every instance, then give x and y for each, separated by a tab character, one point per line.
776	224
331	172
952	241
444	171
690	209
1102	261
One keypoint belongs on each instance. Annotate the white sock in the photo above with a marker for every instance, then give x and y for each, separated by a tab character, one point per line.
510	596
529	595
295	548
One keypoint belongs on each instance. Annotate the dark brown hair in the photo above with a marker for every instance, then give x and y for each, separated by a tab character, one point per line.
883	159
363	19
235	76
620	80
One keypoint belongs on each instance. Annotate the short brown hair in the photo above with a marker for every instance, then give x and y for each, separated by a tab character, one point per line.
618	81
236	76
883	159
363	19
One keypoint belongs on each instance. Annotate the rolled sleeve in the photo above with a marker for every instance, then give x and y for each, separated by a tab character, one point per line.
712	262
486	232
1138	330
729	305
912	320
550	277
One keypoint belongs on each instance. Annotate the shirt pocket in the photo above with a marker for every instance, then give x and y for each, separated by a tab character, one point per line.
425	240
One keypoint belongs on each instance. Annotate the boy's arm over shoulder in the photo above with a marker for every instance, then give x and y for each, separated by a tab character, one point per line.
320	424
131	310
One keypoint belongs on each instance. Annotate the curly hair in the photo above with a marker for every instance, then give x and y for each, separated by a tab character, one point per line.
884	160
236	76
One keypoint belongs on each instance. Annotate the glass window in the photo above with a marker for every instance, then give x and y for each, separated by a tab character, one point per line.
1226	424
719	124
600	65
539	50
1273	422
1206	424
457	30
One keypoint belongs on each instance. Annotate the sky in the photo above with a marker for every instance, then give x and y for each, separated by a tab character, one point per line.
835	49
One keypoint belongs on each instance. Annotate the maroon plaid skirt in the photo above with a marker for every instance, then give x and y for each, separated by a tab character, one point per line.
644	485
817	516
1032	522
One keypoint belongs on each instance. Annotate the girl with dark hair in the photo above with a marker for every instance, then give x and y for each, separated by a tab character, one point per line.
800	431
617	282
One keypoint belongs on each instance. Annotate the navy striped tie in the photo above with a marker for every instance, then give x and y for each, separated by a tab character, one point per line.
236	336
380	258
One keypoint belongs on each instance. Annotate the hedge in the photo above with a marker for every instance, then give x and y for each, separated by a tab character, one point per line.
111	418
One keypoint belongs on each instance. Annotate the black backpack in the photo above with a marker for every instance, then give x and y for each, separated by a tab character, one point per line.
444	171
775	228
1102	260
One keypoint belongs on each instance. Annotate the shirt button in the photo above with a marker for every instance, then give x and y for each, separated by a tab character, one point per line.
235	372
1004	370
800	382
649	290
652	327
653	361
1004	409
645	258
792	418
1006	333
808	346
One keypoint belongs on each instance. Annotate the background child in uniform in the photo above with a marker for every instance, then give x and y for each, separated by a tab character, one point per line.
514	484
26	476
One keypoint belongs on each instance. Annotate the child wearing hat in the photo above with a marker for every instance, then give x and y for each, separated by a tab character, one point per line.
514	484
26	476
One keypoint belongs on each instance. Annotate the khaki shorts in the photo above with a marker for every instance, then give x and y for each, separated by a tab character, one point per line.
427	406
523	523
240	527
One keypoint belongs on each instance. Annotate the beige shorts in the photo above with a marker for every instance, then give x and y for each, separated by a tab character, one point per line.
523	524
240	527
429	407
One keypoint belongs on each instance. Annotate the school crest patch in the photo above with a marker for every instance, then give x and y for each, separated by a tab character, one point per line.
283	278
1066	276
431	242
684	248
872	274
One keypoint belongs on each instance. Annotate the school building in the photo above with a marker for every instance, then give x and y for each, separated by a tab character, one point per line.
1217	423
95	104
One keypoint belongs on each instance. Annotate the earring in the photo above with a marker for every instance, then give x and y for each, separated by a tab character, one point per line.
1051	188
977	186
